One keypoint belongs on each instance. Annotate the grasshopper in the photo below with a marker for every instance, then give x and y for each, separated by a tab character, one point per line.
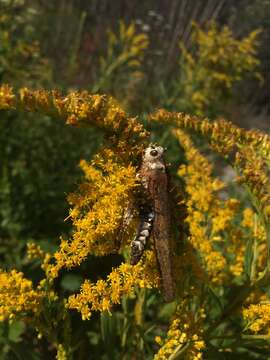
155	218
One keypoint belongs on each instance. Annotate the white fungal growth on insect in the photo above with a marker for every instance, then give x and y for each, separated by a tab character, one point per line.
143	233
153	158
154	178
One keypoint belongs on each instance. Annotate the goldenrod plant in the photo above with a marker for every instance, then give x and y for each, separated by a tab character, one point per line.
221	262
20	56
123	60
210	68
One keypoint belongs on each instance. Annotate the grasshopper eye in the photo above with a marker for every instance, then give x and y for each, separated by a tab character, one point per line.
153	152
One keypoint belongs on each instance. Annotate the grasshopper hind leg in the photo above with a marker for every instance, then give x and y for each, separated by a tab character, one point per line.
146	217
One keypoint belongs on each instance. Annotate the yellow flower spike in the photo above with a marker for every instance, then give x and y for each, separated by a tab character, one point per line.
34	251
103	294
258	318
158	340
254	173
6	97
219	213
224	215
248	151
18	296
219	61
185	333
81	108
223	135
61	353
203	202
97	212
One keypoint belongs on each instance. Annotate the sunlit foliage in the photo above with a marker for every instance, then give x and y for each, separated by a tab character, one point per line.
121	67
216	63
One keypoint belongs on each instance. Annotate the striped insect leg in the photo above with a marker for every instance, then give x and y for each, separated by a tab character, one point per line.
142	235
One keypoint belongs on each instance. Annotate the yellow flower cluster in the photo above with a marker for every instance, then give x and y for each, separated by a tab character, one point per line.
6	97
224	215
251	221
34	251
248	218
248	151
254	173
203	204
235	240
80	108
17	296
235	249
137	43
222	134
126	50
20	55
98	209
103	294
257	315
61	353
220	60
209	217
184	337
258	318
256	231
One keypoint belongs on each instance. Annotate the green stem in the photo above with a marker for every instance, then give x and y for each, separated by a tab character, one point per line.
241	296
256	337
255	252
77	41
179	351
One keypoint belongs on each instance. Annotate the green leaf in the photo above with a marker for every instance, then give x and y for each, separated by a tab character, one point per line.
108	324
15	331
22	352
71	282
249	257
